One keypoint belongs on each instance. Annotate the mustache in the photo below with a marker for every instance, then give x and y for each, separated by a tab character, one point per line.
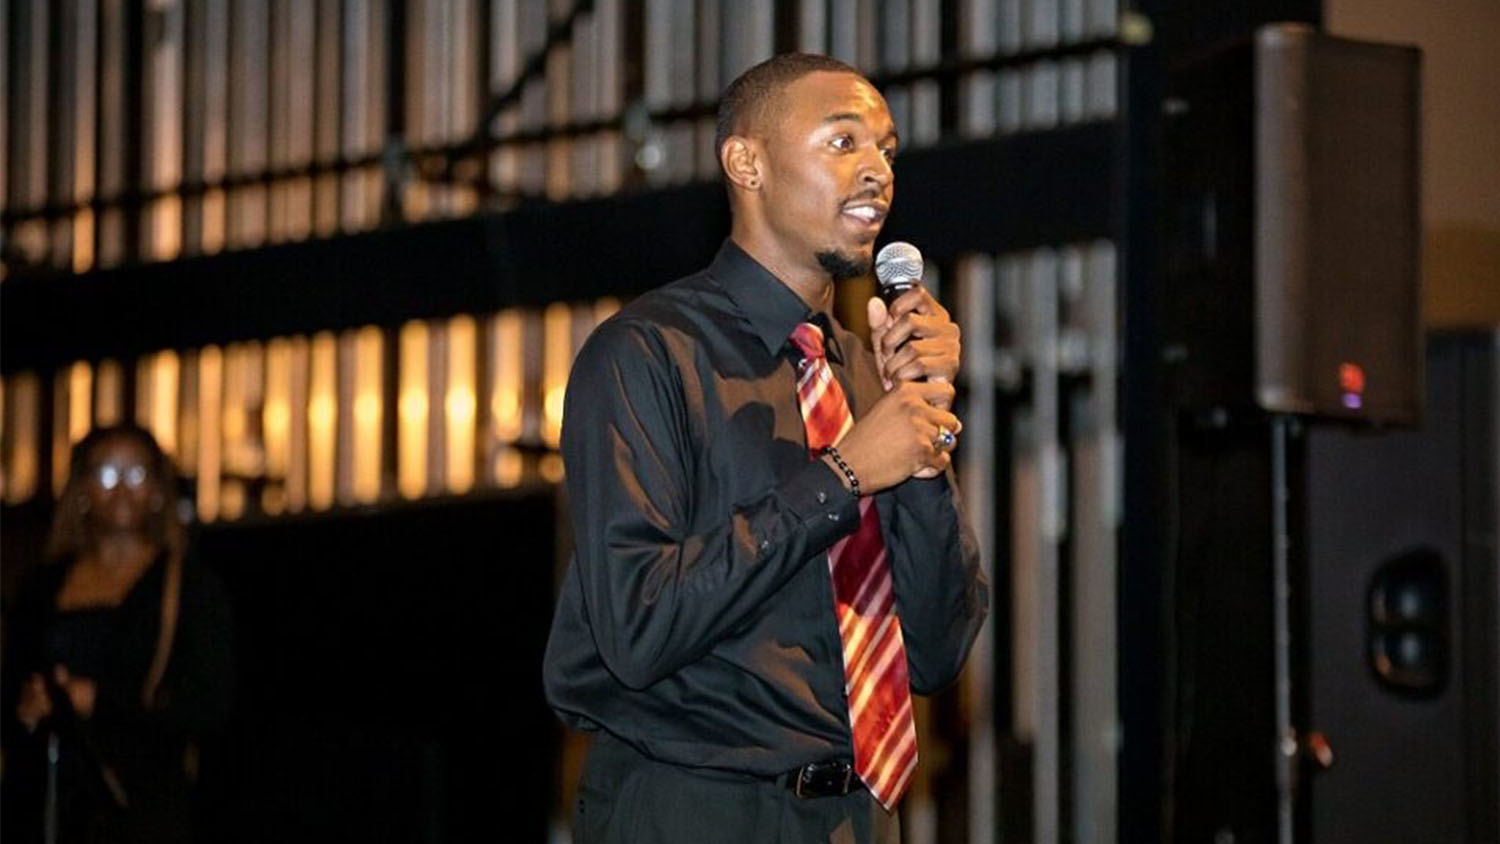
870	193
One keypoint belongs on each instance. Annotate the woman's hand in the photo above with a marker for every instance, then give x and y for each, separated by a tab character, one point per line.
34	705
82	691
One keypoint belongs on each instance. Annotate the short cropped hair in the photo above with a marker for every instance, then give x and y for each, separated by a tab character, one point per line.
754	92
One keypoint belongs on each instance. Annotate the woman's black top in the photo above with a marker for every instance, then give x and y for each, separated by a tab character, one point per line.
146	750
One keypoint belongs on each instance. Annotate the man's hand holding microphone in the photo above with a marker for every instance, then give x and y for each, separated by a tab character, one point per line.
910	432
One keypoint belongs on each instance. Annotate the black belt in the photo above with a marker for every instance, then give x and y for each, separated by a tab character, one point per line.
821	779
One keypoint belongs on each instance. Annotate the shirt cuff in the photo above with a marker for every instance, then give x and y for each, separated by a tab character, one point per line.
926	494
827	510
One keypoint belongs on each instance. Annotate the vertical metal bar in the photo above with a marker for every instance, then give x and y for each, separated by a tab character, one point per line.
895	43
464	100
193	126
85	137
657	63
166	156
1096	449
505	66
327	110
1071	21
1102	18
278	152
926	51
437	413
1043	313
1041	23
976	285
584	103
1070	98
1041	97
436	44
49	815
976	111
609	15
354	105
867	34
347	368
376	72
812	26
680	164
843	31
248	111
301	29
1101	86
60	46
1026	539
216	122
532	28
8	101
1286	737
717	53
558	88
109	129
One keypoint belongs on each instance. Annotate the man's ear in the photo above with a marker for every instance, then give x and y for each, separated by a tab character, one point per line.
741	159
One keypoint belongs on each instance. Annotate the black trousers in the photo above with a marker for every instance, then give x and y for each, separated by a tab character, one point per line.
625	797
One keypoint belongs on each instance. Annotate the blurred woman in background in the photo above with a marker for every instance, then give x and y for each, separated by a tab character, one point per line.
117	657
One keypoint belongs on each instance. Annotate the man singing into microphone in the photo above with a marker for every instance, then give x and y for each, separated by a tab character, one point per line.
770	557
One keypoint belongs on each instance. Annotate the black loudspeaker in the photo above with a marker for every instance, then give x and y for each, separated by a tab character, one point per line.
1399	615
1292	195
1392	539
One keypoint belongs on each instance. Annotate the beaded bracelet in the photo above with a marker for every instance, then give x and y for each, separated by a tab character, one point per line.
838	459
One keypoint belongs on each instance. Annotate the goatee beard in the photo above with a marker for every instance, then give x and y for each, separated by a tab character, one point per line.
842	267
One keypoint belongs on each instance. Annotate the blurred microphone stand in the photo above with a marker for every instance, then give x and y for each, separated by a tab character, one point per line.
64	719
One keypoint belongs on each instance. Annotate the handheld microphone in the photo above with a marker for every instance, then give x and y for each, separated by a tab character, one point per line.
898	268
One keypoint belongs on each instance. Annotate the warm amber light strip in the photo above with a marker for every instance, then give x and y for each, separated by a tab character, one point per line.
80	393
411	466
557	358
297	419
322	419
156	388
368	388
459	404
23	416
210	430
507	368
109	393
276	414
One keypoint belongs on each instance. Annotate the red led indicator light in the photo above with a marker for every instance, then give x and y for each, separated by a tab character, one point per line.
1352	382
1352	378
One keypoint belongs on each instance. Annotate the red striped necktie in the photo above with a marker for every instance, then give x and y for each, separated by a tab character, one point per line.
875	677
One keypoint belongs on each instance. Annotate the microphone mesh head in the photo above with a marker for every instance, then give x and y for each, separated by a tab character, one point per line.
898	262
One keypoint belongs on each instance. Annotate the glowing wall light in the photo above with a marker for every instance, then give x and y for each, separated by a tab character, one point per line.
276	425
368	388
210	430
109	393
557	357
322	421
23	399
299	386
411	466
156	389
72	390
507	381
459	403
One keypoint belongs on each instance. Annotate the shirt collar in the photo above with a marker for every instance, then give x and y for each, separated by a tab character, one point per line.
771	308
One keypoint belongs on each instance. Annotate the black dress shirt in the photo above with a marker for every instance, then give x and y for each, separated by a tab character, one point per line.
696	620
